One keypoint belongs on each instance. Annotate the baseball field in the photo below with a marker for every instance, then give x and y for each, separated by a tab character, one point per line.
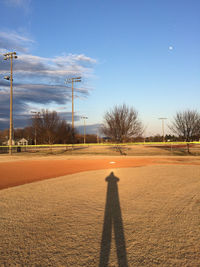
99	210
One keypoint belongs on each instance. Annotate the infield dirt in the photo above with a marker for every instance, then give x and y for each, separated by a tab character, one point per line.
145	215
18	170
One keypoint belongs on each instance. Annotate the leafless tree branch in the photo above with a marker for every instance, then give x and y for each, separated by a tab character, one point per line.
122	123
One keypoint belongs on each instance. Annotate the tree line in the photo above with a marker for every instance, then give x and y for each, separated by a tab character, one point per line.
121	124
47	127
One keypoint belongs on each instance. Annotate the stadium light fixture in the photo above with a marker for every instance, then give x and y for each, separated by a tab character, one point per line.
36	114
72	81
84	118
11	56
163	130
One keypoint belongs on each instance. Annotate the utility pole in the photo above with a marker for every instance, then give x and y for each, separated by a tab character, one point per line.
37	115
84	118
72	80
10	56
163	130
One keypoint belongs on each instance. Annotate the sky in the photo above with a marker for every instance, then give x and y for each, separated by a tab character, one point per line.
144	53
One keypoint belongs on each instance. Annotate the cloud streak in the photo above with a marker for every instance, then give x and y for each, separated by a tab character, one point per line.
24	4
38	80
13	41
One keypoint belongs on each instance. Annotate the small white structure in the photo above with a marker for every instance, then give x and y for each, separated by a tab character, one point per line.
22	142
7	143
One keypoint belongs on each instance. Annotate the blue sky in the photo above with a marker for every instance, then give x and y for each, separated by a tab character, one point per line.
145	53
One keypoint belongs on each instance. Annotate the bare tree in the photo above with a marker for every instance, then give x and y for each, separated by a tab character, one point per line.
64	133
122	123
49	128
186	124
47	124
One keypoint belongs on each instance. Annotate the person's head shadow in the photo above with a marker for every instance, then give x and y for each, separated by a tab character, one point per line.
113	218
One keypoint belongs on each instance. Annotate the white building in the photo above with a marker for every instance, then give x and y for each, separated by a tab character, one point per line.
20	142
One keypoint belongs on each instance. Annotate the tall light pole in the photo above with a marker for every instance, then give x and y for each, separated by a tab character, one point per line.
163	130
72	80
10	56
84	118
37	114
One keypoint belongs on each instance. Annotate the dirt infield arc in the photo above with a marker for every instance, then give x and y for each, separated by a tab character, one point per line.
20	172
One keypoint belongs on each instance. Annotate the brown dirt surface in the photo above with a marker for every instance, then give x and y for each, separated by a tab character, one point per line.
16	172
136	216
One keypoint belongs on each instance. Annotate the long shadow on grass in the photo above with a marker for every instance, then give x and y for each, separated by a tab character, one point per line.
113	218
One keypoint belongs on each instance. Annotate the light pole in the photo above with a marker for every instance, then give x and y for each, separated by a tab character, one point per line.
10	56
72	80
84	118
163	130
36	117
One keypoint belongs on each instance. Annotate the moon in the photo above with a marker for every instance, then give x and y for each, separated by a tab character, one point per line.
171	47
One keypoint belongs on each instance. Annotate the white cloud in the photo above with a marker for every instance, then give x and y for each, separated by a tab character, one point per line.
52	68
14	41
39	80
13	36
31	65
72	58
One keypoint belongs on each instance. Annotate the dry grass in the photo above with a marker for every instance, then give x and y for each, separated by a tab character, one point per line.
111	150
155	211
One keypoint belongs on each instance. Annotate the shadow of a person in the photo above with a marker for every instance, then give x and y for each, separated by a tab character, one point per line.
113	218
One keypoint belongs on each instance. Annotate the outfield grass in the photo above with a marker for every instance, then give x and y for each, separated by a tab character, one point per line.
159	149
